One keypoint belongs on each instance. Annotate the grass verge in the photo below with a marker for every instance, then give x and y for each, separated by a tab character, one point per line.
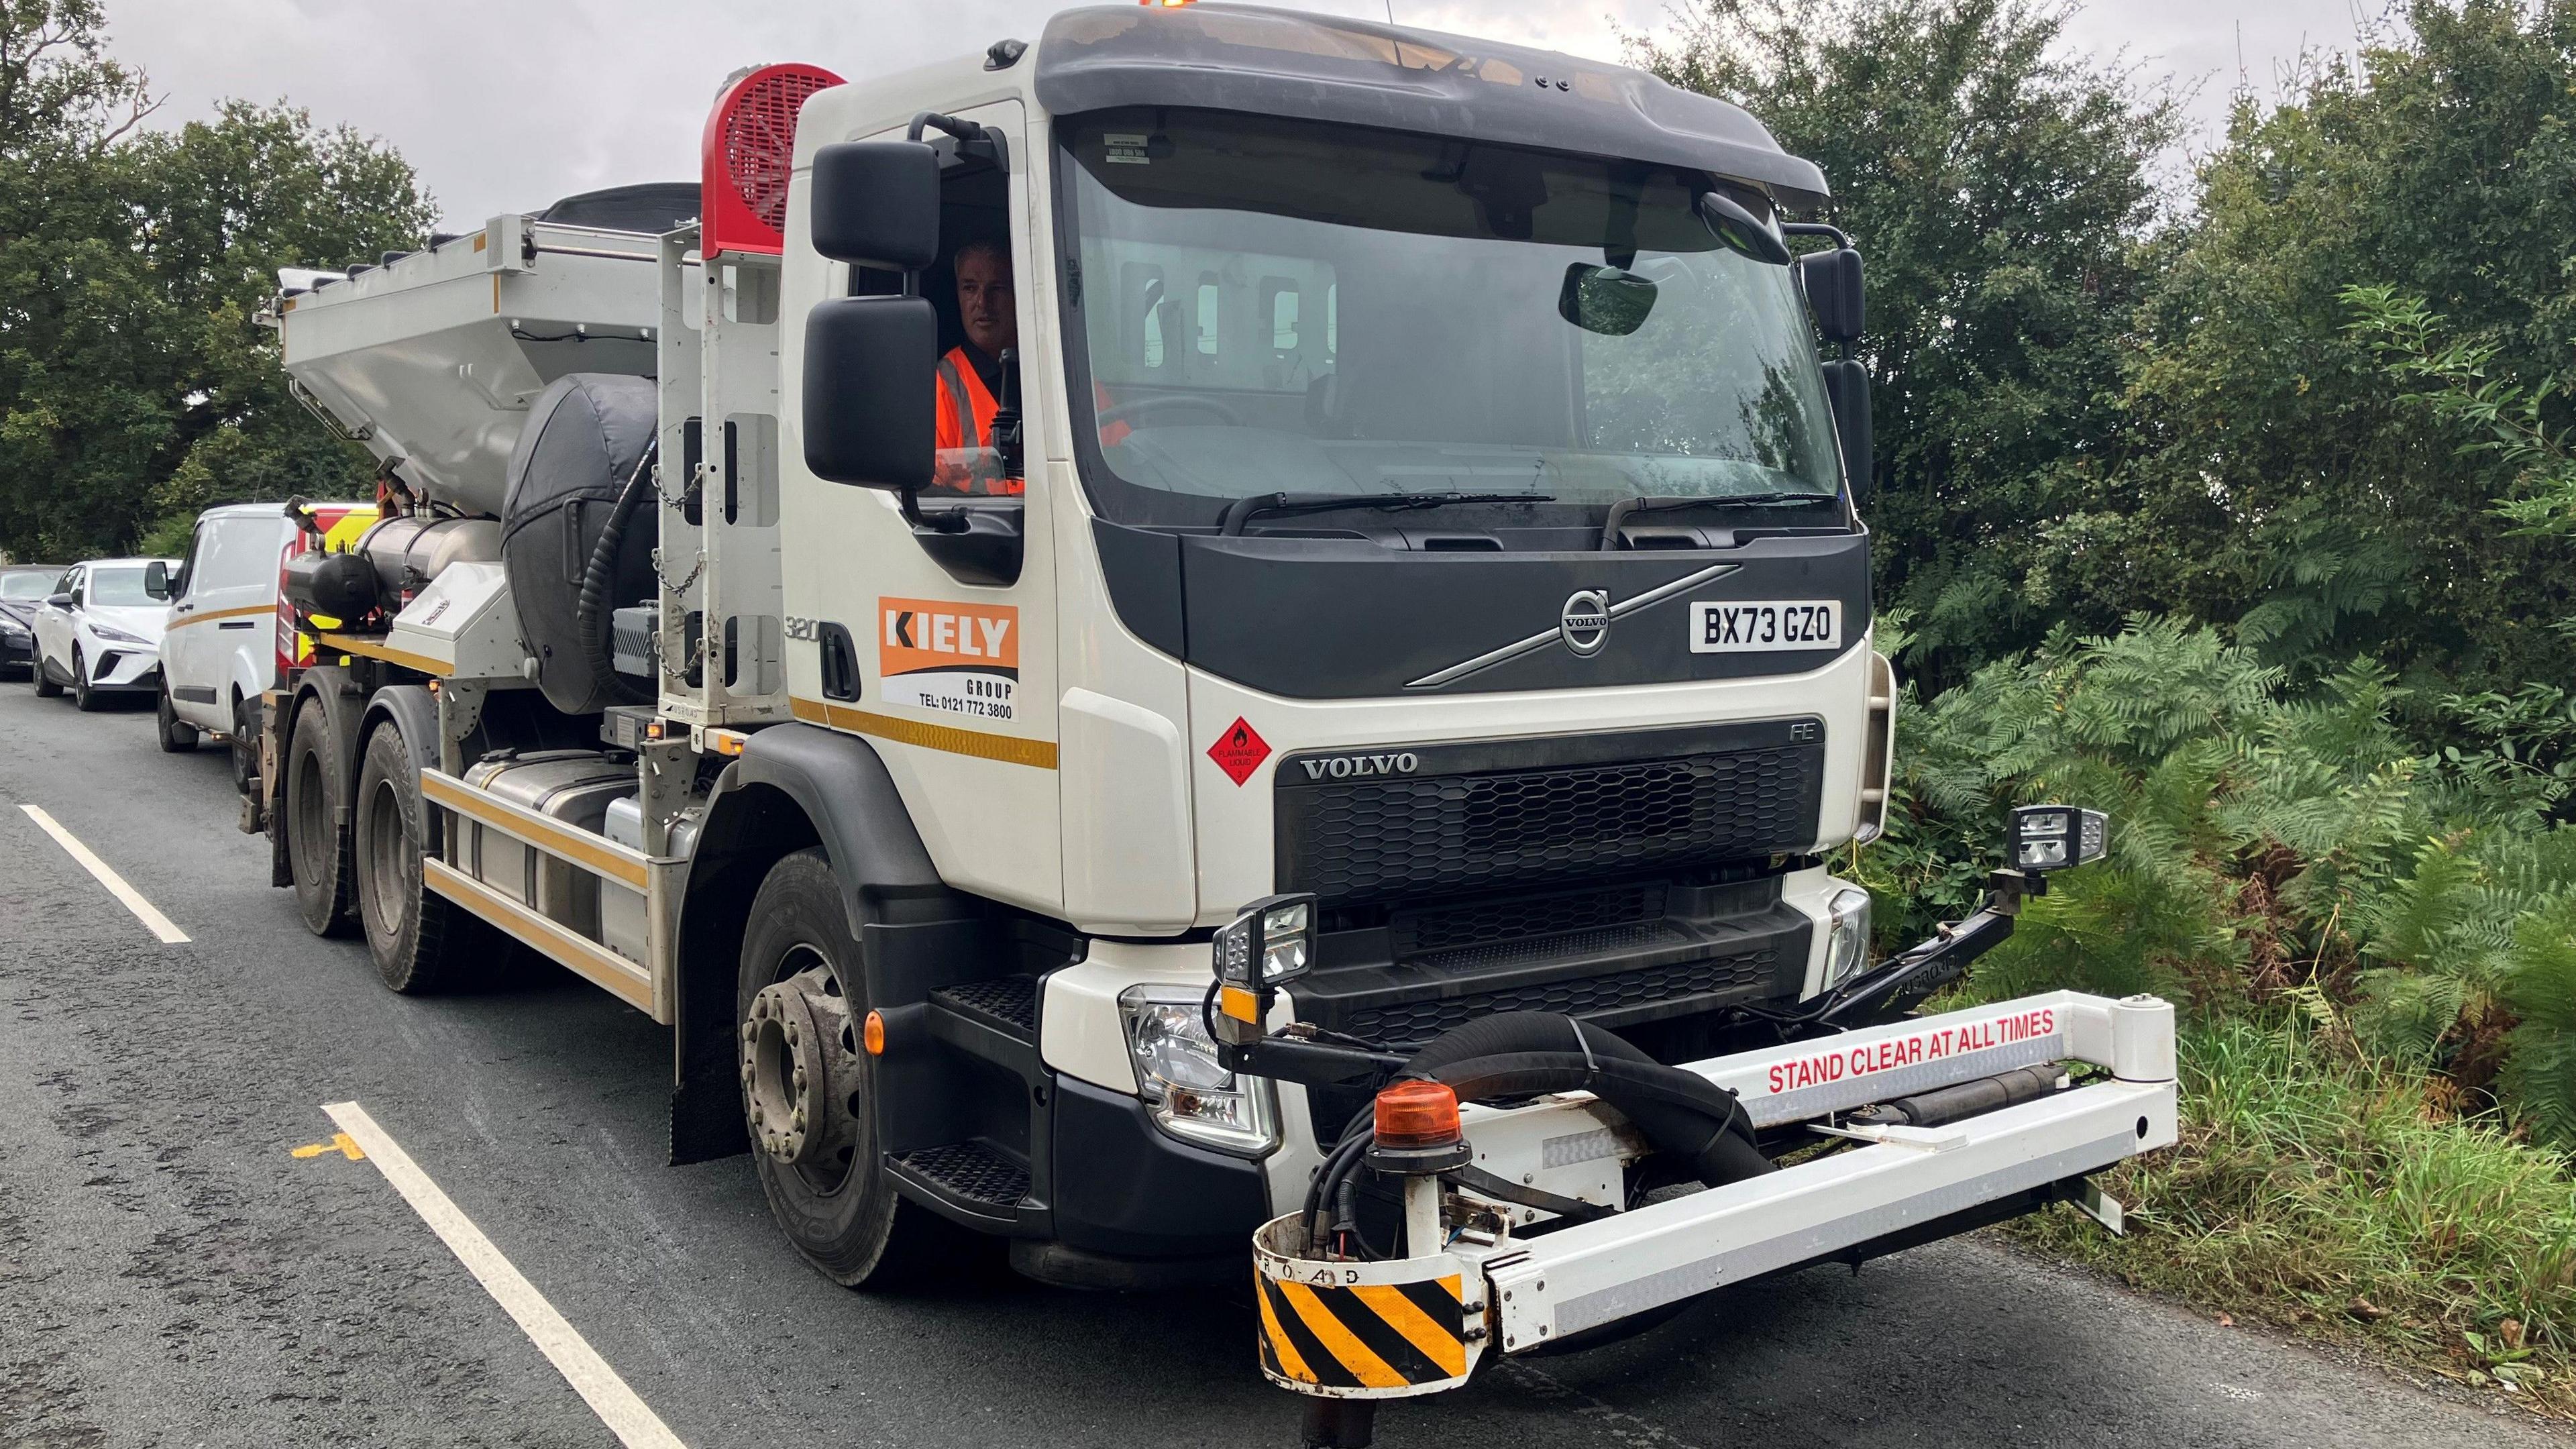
2322	1193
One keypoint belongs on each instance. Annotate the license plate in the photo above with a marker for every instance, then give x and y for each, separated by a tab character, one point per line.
1729	627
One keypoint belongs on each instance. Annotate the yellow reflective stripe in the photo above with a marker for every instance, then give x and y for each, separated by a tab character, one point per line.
955	740
1289	1362
214	614
1366	1366
1437	1343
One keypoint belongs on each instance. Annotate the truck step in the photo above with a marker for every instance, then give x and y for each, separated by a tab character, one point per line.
996	1020
970	1174
1006	1003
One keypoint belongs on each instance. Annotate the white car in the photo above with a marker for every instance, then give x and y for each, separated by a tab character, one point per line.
100	632
221	647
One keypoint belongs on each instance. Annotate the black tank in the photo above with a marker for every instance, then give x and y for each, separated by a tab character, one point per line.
584	437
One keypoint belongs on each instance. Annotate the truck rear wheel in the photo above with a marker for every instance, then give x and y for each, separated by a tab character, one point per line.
317	850
808	1091
418	939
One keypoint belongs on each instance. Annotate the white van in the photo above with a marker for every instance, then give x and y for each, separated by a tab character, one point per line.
219	650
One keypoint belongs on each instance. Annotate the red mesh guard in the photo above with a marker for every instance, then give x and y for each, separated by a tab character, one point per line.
749	147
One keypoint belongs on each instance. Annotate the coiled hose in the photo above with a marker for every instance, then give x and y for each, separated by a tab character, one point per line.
598	639
1520	1054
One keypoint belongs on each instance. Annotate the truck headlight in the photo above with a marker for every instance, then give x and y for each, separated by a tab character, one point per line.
1847	941
1189	1091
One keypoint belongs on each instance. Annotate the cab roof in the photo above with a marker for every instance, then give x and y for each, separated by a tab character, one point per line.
1333	68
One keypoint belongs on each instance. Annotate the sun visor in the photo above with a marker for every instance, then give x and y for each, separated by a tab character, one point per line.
1317	67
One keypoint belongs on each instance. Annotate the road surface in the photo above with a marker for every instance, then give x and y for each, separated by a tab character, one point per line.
171	1273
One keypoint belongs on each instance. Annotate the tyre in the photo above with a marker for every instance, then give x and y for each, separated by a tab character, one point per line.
317	849
808	1090
245	747
177	736
83	699
45	686
420	941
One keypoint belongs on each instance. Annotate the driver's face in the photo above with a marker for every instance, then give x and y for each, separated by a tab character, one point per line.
984	301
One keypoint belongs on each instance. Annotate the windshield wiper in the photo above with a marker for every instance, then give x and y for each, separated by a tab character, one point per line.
1243	510
1626	508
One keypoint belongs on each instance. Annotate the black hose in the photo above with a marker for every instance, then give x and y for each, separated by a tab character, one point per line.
1523	1054
592	617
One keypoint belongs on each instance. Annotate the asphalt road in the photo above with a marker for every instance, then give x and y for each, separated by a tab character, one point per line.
171	1274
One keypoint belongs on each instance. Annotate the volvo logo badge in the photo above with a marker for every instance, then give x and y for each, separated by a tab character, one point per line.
1585	624
1342	767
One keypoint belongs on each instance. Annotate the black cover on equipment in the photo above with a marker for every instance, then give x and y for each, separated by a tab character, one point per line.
653	207
585	435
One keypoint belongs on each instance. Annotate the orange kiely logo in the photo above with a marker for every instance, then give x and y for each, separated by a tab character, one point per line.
956	658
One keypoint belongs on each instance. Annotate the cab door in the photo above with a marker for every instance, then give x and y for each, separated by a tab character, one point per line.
947	670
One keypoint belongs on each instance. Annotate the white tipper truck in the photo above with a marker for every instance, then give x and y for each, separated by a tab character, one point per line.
1336	775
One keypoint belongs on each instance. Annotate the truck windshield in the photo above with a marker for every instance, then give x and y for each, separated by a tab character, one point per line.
1271	305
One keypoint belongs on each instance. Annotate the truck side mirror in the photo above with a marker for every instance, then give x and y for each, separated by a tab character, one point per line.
156	579
1847	388
876	204
869	394
1832	281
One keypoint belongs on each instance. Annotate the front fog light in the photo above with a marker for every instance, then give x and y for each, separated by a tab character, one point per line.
1847	944
1190	1093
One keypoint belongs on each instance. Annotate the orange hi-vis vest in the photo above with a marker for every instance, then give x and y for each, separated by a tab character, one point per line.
965	420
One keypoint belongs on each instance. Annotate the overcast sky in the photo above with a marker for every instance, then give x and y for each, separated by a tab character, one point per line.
506	104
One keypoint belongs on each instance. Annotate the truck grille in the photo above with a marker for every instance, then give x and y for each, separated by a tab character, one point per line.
1386	839
1405	1026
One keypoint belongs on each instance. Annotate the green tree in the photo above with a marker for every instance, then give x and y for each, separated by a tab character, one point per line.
2003	194
133	380
2284	476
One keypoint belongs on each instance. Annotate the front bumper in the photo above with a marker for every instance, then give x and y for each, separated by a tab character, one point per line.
1899	1186
17	651
124	668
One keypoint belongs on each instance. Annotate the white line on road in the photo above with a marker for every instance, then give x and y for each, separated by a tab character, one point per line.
627	1416
127	895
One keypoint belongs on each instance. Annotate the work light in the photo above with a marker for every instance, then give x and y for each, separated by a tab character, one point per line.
2055	837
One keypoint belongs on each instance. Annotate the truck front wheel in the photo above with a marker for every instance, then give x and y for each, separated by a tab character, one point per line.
808	1091
317	850
415	936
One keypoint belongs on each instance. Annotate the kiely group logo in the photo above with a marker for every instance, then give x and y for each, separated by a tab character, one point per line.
956	658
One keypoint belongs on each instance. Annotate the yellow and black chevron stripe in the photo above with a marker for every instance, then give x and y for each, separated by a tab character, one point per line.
1363	1336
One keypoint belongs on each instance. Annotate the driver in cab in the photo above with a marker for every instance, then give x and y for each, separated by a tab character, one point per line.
970	376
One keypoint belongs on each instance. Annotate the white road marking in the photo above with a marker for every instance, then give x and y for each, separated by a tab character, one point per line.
126	895
627	1416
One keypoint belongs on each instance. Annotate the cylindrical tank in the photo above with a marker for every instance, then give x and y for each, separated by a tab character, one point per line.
409	552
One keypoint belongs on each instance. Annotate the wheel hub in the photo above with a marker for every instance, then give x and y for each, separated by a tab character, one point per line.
795	1072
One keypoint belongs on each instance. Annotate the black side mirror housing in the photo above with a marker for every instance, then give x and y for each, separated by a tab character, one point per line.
1835	292
156	579
1847	387
58	601
876	204
869	392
